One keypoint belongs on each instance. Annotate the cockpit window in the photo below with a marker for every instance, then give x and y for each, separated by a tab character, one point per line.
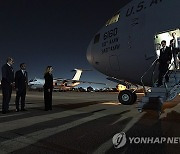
96	38
114	19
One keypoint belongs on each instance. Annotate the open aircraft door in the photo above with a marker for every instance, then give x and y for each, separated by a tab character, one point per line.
167	36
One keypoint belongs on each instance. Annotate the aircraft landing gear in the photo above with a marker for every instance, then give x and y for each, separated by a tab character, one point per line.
127	97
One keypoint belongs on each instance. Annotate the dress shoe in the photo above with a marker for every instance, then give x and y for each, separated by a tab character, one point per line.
4	112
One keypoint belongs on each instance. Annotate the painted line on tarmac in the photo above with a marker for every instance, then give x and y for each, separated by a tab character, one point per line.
12	115
25	122
32	138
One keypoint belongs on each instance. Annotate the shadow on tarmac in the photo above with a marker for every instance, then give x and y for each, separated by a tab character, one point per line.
150	126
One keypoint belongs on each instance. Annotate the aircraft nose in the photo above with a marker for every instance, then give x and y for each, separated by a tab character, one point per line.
89	54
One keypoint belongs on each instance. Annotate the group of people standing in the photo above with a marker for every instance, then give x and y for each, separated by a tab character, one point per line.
166	54
20	83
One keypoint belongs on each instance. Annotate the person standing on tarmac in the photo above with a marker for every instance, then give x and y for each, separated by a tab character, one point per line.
7	84
21	82
48	87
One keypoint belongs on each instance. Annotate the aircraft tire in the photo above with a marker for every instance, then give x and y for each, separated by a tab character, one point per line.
127	97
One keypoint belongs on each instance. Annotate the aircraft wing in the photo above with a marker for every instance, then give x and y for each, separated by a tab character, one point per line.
122	82
58	79
117	81
88	82
75	81
61	80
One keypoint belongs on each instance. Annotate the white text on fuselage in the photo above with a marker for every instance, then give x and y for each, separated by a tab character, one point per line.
142	5
110	41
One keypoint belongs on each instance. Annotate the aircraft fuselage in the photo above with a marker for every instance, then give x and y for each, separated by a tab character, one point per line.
126	48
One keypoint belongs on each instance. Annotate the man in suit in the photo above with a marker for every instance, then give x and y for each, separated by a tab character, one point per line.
164	61
176	40
7	83
174	51
21	81
176	45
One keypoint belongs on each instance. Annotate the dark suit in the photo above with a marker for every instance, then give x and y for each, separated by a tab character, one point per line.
6	83
21	81
178	42
48	94
175	52
165	56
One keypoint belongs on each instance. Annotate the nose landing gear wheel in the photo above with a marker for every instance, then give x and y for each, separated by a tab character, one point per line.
127	97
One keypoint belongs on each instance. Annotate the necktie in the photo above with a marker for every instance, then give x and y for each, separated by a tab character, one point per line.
11	68
23	72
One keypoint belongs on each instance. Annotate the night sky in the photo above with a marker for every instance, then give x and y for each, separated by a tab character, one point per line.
53	32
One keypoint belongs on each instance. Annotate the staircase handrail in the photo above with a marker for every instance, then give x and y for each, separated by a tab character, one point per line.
174	70
154	62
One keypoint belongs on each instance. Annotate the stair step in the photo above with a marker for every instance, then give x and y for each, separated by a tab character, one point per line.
177	75
145	99
165	92
158	89
163	95
173	79
170	85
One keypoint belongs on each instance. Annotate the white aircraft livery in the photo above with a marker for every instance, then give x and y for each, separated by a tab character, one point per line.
127	47
60	83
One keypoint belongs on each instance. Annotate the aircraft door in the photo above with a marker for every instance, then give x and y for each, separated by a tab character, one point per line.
167	36
114	63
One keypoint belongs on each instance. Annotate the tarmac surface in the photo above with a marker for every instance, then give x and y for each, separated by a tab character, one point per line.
83	122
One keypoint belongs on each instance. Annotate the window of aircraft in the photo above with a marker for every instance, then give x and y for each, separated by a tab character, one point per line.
114	19
96	38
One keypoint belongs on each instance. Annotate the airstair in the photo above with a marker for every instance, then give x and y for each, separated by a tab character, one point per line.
156	96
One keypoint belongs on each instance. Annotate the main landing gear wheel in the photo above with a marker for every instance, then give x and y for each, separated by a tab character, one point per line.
127	97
